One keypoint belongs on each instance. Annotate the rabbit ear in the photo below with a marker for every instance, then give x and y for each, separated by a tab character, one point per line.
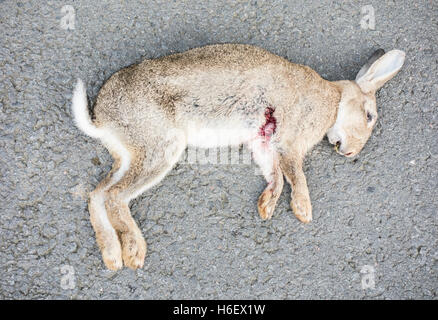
380	69
376	55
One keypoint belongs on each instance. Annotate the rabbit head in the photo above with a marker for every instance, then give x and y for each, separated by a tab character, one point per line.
357	112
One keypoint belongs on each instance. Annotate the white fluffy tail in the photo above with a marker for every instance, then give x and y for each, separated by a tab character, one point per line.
110	140
81	114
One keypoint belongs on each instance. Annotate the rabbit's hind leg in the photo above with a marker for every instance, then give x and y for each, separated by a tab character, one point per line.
106	235
149	165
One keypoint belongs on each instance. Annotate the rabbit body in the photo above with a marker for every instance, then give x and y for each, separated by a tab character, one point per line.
216	96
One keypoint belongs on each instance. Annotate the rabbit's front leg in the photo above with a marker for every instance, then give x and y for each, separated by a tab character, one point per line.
268	199
267	159
292	167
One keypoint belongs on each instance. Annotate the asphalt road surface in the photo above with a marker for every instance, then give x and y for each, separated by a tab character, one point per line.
374	233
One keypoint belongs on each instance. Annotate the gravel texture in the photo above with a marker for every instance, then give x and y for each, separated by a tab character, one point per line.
376	213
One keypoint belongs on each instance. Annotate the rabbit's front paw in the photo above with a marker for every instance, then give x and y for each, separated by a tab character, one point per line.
302	208
266	203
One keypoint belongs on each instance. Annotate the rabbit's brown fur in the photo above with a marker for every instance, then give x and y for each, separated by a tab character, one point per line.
215	96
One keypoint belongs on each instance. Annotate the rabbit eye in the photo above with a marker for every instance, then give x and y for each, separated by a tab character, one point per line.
369	117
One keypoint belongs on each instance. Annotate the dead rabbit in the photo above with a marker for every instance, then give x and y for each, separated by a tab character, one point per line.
215	96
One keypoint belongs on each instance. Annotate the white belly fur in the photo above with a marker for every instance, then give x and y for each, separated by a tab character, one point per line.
218	137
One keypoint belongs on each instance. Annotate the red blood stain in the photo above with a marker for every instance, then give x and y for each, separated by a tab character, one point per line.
268	129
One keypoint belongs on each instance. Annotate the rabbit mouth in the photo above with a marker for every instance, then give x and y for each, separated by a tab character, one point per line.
337	149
